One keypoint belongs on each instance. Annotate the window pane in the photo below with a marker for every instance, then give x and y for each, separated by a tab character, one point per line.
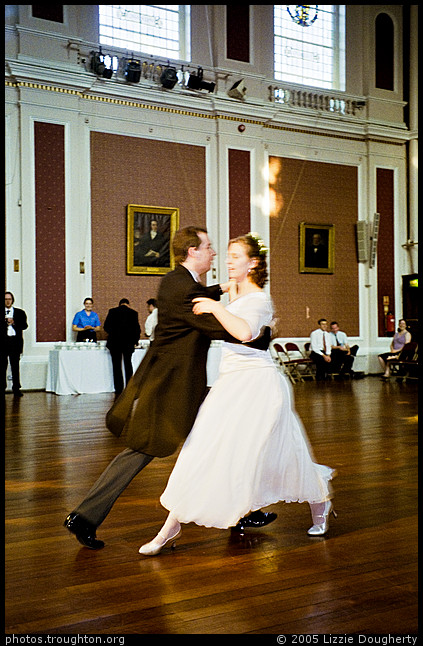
153	29
305	44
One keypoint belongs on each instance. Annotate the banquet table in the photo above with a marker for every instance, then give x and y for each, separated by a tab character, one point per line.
86	368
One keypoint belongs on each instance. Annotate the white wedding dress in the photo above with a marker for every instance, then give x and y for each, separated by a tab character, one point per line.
247	448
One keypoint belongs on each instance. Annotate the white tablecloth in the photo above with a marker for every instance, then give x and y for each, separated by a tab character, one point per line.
75	371
213	362
89	370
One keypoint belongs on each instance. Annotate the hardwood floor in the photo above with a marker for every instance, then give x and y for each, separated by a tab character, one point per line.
360	578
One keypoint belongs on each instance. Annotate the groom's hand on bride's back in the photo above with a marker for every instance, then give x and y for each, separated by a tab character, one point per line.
261	342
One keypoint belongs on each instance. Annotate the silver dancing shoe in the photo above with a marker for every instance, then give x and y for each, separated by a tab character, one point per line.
152	548
319	529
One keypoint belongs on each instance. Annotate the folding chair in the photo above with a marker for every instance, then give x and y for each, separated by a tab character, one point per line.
405	367
288	367
304	365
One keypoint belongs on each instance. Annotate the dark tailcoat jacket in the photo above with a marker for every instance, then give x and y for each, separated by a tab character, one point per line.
157	409
20	324
123	328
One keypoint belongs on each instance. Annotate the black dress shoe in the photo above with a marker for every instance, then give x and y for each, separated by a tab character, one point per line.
254	520
83	530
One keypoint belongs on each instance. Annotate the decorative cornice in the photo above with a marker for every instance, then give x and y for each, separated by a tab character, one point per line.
106	99
215	114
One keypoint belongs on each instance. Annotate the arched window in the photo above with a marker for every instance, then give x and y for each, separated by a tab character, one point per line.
384	52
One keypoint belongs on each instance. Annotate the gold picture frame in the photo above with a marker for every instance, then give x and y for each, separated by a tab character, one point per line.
317	248
148	254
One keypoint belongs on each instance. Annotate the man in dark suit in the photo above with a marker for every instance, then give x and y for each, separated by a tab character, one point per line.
123	329
14	323
157	409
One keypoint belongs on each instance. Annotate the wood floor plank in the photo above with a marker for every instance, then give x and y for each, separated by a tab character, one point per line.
361	577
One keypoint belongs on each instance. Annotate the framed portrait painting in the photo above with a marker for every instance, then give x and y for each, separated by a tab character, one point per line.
149	234
317	248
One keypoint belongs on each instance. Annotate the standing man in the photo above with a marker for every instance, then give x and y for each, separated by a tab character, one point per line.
15	322
342	355
320	349
152	318
123	329
157	409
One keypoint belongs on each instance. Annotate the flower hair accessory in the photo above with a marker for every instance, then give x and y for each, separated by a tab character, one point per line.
260	243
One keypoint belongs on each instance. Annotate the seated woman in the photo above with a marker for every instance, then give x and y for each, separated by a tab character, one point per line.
401	337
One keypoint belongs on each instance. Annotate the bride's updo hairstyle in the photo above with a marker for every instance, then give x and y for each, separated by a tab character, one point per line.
255	248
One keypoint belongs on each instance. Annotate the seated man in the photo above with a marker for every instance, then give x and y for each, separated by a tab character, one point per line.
320	350
342	355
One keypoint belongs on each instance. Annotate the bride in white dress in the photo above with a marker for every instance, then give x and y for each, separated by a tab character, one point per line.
247	448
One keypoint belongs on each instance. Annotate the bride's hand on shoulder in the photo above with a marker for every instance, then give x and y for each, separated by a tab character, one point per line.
231	288
205	305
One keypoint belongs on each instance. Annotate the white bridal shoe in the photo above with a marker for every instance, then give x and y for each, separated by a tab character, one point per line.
157	544
319	529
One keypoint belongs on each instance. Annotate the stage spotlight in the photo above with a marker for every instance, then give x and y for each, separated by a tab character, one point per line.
195	82
108	72
132	71
238	90
98	66
169	78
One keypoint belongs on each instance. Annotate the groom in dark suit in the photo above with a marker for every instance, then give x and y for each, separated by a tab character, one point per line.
157	409
15	322
123	329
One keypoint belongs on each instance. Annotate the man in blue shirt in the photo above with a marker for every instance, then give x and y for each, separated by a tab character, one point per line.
86	322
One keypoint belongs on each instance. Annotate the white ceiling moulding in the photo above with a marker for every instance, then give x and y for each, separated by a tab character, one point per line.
45	73
318	112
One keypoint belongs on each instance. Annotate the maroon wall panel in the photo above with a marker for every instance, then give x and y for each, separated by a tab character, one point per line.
316	193
385	244
239	192
49	144
133	170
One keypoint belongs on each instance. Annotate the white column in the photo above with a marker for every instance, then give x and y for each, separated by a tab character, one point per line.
413	145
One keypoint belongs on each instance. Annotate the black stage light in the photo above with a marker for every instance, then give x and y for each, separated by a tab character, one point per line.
195	82
98	66
133	71
168	77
